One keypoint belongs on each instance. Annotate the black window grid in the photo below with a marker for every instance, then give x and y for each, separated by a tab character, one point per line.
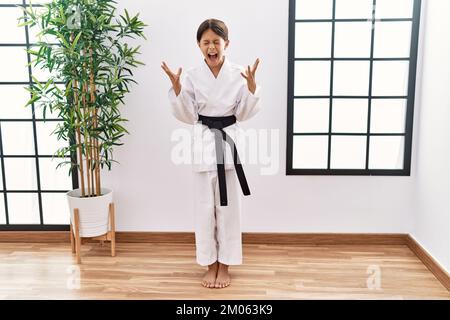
406	171
34	120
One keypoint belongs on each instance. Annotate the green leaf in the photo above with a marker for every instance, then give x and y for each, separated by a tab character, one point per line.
77	38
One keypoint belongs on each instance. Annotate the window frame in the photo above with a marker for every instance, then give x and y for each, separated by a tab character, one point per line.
410	98
4	191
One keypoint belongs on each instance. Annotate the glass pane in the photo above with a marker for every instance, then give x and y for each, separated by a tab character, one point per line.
348	152
314	9
310	152
388	116
354	9
386	153
48	142
394	9
2	209
392	39
10	32
18	138
13	64
311	115
52	178
20	174
390	78
352	39
23	208
1	183
55	208
312	40
351	78
350	115
312	78
14	99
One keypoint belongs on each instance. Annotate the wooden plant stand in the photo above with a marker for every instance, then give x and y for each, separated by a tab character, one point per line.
76	240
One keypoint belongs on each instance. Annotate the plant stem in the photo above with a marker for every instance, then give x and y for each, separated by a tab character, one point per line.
95	122
86	130
79	142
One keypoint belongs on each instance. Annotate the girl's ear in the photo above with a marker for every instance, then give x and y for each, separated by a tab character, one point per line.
227	43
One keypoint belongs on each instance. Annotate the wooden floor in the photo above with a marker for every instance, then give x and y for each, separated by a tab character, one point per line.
169	271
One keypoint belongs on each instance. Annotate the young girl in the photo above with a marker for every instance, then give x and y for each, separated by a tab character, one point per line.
212	97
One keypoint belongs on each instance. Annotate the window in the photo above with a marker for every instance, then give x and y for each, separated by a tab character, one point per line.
32	189
352	70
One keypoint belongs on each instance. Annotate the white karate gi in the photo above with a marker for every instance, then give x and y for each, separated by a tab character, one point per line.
217	228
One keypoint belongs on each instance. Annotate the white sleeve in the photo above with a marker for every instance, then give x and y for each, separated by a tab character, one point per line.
184	107
248	104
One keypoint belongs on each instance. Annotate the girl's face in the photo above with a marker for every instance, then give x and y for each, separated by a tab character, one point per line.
213	48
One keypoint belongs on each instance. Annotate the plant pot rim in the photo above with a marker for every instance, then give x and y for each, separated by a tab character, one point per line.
105	192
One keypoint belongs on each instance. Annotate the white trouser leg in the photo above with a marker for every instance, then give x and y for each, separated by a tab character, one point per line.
217	229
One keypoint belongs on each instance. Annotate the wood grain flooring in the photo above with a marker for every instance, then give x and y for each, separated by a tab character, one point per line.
169	271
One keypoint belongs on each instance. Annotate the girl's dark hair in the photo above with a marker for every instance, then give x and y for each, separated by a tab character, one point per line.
215	25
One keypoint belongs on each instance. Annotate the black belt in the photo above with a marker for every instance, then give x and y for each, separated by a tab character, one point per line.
219	123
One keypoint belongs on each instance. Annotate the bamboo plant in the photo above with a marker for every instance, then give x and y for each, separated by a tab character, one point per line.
90	64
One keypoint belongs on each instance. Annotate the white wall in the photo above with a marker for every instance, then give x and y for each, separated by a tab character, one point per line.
152	194
432	133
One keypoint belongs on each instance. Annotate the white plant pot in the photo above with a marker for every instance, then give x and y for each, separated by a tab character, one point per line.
94	212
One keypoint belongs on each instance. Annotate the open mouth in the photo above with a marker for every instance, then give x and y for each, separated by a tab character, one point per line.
213	57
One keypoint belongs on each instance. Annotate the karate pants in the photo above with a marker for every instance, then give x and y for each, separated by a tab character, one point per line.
218	234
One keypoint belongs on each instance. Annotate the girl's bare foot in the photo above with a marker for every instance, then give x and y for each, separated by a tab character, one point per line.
223	278
209	278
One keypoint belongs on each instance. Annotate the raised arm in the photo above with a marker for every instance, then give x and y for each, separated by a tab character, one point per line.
181	96
248	104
